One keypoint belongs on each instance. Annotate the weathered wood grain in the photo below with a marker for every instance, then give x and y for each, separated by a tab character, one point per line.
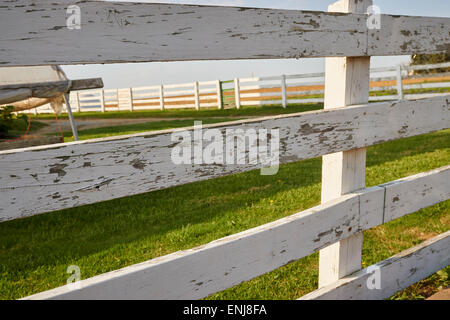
50	89
113	32
13	95
406	35
40	90
198	272
346	83
47	178
396	273
84	84
61	86
422	190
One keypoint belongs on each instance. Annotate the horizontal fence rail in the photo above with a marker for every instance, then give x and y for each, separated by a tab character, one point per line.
47	178
223	263
156	32
268	91
395	273
58	176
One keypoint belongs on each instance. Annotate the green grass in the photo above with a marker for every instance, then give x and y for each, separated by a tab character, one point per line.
35	252
19	127
138	127
244	111
381	93
185	119
410	91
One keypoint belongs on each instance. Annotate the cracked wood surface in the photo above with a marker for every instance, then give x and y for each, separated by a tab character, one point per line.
223	263
421	186
346	83
35	33
396	273
14	93
48	178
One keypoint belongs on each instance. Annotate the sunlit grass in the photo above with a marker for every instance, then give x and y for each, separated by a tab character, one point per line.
36	251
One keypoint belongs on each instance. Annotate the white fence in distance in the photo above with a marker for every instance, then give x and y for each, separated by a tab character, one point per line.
281	90
346	128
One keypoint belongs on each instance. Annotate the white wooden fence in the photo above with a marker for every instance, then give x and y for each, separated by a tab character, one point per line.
172	96
47	178
295	88
273	90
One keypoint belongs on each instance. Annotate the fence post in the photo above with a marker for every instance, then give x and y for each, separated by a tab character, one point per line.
131	99
117	99
161	97
219	95
197	100
237	93
283	91
399	83
346	83
78	99
102	100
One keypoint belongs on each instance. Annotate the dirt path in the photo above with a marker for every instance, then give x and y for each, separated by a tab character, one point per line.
441	295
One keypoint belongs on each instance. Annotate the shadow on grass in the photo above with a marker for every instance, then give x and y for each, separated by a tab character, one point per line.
128	219
214	208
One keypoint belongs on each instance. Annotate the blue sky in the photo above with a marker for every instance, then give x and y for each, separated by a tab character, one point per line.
144	74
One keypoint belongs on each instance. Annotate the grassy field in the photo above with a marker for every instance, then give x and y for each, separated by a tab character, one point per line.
230	99
410	91
177	118
35	252
243	112
171	118
19	127
138	127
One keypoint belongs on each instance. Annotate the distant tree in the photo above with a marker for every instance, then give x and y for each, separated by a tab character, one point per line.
8	120
417	59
